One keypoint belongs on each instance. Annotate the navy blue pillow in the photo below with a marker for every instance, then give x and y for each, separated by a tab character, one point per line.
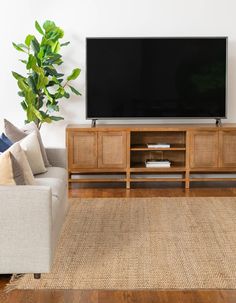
5	143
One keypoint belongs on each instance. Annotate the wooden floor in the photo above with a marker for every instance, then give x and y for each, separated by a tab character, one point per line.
164	296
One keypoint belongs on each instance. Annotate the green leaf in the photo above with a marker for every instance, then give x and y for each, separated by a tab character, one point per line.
54	59
22	85
41	53
30	97
66	95
38	69
75	73
52	72
61	90
42	81
32	84
46	117
56	47
49	25
17	76
30	114
35	45
52	107
31	62
22	46
28	40
55	118
18	47
48	95
21	94
23	61
51	83
37	113
65	43
39	28
75	91
24	105
47	120
40	104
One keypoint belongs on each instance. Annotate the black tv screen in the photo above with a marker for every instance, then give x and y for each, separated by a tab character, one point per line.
156	77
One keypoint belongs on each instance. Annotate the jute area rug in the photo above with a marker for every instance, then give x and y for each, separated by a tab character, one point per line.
144	243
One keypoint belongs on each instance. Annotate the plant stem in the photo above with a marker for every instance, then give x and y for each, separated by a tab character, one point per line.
39	125
65	84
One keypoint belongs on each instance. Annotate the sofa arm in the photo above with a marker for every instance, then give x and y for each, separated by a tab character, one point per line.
25	229
57	157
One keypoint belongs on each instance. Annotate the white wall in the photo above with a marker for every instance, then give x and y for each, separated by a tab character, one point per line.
81	18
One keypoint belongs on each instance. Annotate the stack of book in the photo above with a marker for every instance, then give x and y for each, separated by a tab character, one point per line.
158	145
157	163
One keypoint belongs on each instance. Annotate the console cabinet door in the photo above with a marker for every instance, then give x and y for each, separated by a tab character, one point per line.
227	148
82	149
204	148
112	149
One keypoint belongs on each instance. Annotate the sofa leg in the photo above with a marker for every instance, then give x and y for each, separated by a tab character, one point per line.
37	276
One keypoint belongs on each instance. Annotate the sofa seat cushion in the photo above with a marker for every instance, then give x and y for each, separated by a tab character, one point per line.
57	186
54	172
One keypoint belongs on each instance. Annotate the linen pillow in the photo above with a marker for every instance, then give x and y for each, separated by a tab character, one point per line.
10	172
21	159
31	147
15	134
5	143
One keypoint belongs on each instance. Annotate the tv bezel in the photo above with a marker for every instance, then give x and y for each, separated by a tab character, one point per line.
159	117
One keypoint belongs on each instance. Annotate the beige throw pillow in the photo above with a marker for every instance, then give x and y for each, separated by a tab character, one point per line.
31	147
15	134
20	157
6	171
10	171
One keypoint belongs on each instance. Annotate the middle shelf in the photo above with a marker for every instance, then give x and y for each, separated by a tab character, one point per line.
170	148
143	147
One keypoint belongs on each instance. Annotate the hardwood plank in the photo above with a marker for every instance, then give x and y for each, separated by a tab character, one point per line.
139	296
151	192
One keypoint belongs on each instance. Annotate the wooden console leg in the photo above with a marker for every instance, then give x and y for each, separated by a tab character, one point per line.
187	180
37	276
128	180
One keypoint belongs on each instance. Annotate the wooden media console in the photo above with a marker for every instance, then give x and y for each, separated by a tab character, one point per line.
117	153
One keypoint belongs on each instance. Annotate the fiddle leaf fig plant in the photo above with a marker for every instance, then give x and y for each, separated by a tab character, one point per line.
43	86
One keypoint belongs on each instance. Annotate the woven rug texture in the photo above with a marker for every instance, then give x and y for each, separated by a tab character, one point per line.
144	243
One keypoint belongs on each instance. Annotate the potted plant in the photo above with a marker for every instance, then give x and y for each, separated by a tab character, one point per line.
43	86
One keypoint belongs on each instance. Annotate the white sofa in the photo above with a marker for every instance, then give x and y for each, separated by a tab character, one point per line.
31	218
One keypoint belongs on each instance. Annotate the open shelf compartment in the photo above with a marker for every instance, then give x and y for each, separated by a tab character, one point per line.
140	139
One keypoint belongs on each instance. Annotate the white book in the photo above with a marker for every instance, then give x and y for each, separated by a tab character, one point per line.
158	145
151	165
150	161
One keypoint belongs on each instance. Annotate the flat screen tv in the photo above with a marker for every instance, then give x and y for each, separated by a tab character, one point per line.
156	77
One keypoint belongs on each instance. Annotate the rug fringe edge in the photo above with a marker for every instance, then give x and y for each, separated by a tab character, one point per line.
13	283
